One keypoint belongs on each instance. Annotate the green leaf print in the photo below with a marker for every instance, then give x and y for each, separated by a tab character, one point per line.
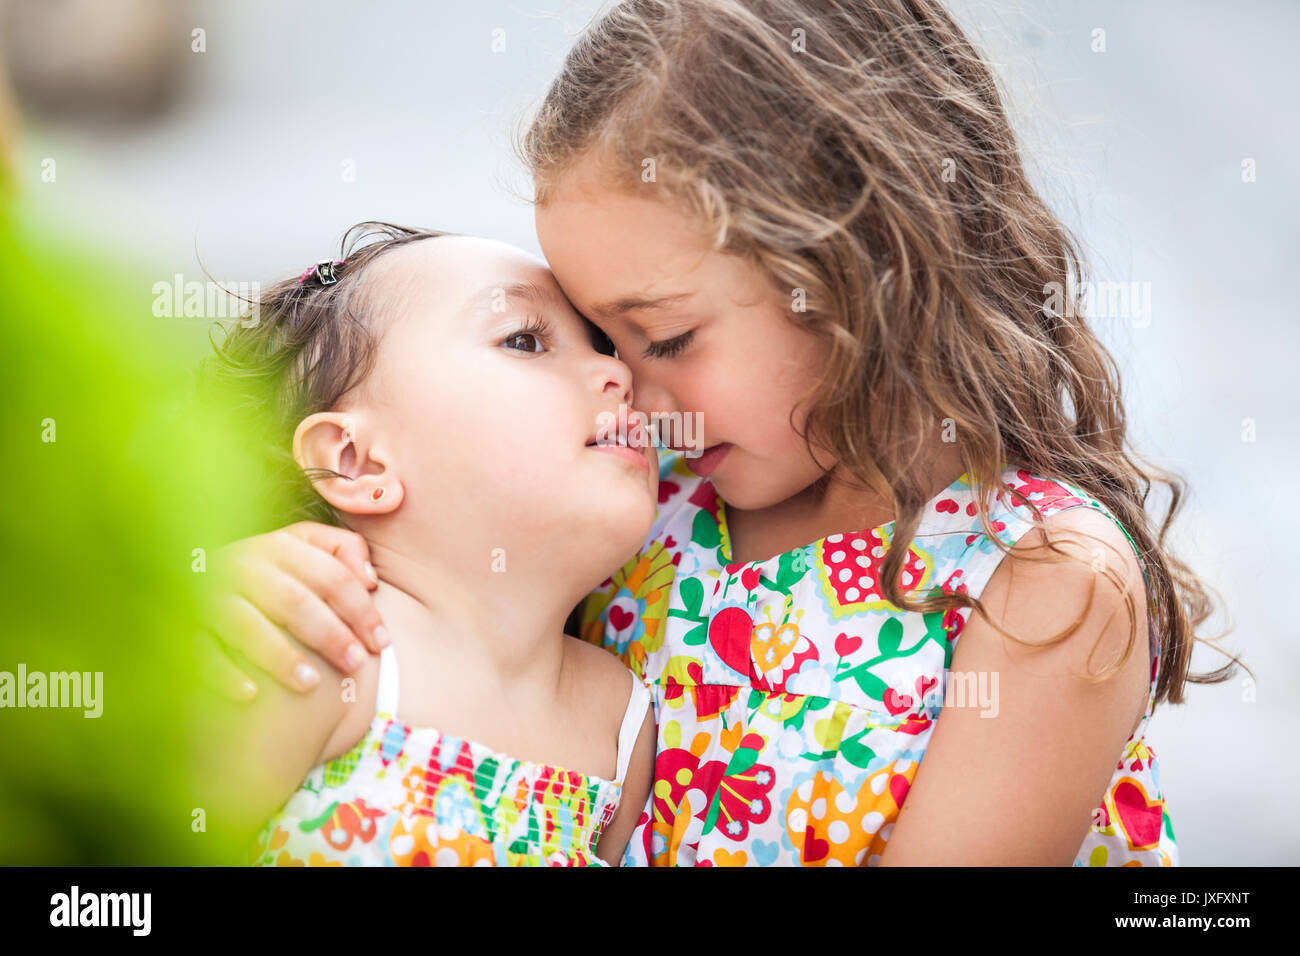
856	752
891	635
704	530
853	750
715	806
871	685
888	640
790	569
692	592
307	826
741	760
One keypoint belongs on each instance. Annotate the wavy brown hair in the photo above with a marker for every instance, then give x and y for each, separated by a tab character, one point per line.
859	150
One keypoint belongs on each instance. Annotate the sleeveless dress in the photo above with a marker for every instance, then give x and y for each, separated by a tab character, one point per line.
411	796
794	703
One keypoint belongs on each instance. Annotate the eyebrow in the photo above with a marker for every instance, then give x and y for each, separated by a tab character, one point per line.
481	301
628	304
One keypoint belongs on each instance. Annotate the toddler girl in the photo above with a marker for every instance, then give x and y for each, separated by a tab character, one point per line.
444	400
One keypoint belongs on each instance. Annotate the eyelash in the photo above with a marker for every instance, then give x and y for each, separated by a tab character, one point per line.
537	327
669	347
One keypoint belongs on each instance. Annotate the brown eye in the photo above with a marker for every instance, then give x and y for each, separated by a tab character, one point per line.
532	336
524	342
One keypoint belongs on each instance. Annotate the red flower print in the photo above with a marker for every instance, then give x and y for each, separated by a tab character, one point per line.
736	793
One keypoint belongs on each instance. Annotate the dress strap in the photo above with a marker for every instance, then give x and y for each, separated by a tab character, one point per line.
633	718
386	697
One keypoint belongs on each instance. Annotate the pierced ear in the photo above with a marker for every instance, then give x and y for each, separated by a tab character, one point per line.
337	442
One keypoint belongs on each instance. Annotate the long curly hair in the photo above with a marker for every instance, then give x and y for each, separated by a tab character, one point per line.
858	150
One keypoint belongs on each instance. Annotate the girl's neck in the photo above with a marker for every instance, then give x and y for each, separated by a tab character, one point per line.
502	628
814	513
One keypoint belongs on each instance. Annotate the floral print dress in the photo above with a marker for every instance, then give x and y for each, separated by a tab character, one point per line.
794	703
411	796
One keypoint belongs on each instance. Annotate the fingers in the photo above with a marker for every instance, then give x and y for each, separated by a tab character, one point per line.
218	672
348	546
250	632
291	592
337	594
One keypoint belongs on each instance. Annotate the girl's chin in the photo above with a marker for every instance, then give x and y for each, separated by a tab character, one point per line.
622	517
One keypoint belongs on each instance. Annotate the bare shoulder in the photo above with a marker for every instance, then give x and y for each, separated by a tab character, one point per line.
1073	592
1081	557
605	677
355	697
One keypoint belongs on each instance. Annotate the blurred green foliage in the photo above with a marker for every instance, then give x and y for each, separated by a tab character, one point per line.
98	561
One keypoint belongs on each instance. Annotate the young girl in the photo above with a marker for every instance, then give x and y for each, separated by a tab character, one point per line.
808	224
445	400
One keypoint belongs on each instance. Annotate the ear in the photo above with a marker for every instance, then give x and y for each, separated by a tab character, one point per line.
337	442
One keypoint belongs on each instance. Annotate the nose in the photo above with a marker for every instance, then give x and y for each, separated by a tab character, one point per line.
613	377
653	400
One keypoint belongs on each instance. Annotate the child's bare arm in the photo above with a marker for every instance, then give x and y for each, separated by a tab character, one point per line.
636	789
261	752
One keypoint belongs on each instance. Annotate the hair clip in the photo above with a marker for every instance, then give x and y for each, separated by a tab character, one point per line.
323	271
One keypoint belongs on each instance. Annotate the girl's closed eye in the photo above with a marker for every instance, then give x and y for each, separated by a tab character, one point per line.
534	336
669	347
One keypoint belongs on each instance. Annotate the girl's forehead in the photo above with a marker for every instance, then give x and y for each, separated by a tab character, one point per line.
454	273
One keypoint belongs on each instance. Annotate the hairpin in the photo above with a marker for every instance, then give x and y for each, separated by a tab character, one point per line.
324	272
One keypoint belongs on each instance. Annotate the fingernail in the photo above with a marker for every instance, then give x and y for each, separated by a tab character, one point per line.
306	674
370	573
353	658
381	636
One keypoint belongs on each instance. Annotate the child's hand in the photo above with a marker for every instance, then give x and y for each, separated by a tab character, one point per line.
306	583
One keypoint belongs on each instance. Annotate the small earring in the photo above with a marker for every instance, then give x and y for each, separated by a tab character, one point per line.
376	494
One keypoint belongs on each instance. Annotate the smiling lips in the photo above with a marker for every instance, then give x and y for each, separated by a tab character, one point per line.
635	455
707	463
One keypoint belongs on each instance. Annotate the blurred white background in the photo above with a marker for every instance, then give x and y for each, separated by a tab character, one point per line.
299	119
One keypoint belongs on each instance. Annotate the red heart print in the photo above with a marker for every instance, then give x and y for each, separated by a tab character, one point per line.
667	489
749	578
845	645
897	703
670	542
923	684
813	848
898	787
729	634
1140	817
621	618
947	505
